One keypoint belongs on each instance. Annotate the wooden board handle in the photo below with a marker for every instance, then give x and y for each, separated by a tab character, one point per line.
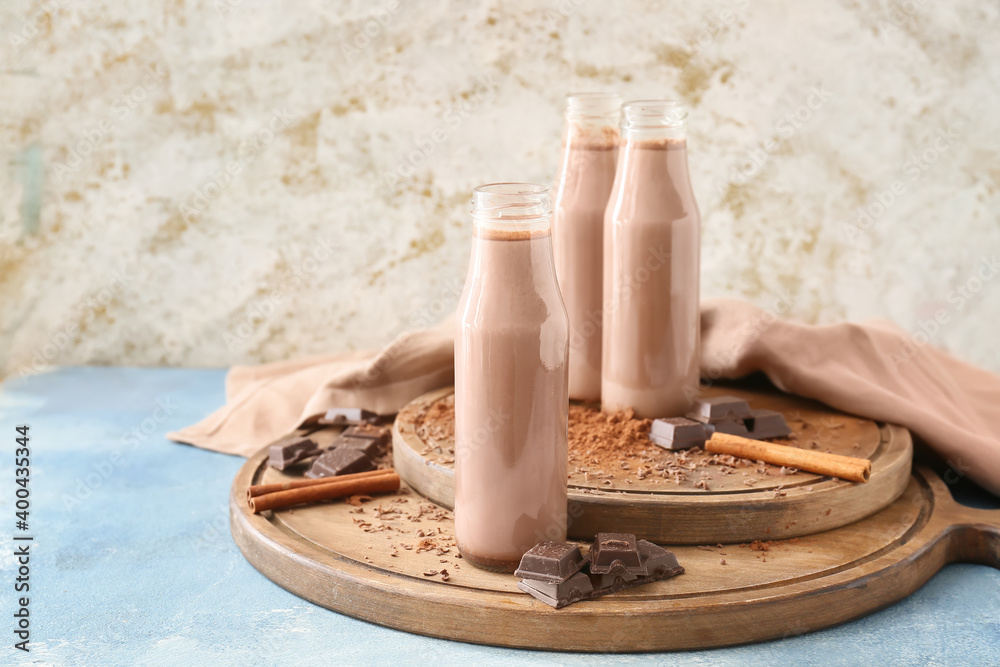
973	533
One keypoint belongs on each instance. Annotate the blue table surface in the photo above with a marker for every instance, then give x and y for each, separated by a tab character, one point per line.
132	562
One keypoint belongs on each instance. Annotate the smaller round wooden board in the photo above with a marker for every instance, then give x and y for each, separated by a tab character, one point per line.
383	560
738	505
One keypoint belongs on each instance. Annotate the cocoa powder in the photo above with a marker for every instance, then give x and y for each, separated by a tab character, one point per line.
604	447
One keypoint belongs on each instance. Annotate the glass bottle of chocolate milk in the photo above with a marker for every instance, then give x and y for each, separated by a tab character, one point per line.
586	174
651	268
511	400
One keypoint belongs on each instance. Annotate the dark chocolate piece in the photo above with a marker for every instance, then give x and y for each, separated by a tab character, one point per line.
551	562
659	562
766	424
610	583
366	445
720	408
559	594
290	450
340	461
732	427
352	416
615	553
379	434
677	428
679	433
550	558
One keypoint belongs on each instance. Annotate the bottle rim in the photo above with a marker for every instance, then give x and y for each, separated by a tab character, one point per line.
648	114
594	105
516	204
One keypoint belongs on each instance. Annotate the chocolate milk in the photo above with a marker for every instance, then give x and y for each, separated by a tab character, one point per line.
586	174
651	269
511	400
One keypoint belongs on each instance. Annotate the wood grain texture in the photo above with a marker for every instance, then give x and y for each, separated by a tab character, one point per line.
323	554
775	507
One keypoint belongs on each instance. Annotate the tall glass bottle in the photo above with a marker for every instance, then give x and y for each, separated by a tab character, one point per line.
651	268
511	401
586	174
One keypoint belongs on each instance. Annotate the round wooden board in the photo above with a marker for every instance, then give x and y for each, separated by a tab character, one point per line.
740	506
357	563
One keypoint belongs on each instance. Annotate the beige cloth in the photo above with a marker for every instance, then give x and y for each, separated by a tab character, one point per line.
873	369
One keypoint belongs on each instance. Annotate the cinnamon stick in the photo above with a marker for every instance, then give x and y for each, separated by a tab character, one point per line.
261	489
335	489
833	465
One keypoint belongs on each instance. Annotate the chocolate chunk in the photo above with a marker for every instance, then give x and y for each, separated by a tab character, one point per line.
659	562
766	424
632	563
720	408
559	594
379	434
730	426
368	446
679	433
551	562
615	553
290	450
610	583
340	461
351	416
677	428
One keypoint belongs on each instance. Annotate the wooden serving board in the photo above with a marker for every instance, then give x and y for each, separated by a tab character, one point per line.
357	563
743	504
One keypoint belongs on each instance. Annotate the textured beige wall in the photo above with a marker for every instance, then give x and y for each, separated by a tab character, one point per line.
199	183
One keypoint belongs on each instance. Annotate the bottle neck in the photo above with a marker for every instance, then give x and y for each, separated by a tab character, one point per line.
591	133
516	262
512	230
654	135
653	164
592	120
